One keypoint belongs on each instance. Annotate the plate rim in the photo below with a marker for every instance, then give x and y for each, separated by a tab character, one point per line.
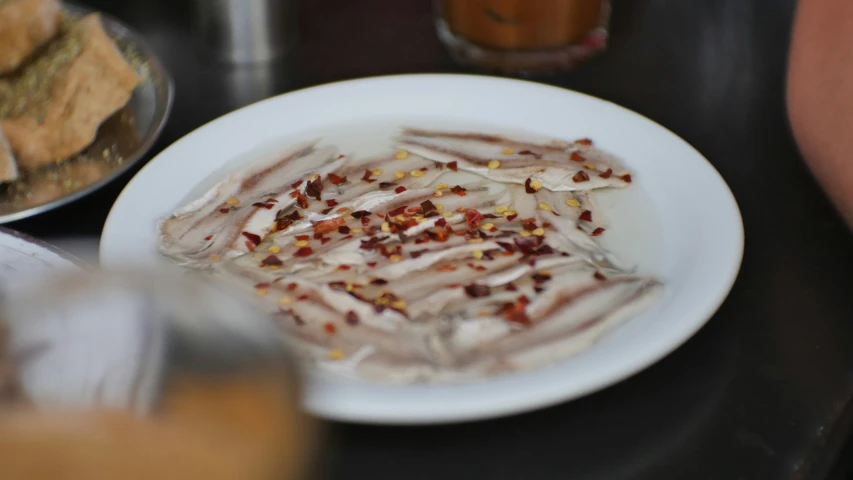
154	62
45	246
737	237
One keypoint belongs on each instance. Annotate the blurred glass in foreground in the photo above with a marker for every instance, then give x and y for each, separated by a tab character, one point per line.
120	376
523	36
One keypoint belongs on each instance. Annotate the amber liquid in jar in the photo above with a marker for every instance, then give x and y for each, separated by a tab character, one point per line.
519	34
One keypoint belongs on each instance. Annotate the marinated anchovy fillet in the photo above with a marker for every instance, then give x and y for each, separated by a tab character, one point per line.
456	257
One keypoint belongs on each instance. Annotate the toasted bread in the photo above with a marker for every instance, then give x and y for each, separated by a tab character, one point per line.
52	107
26	25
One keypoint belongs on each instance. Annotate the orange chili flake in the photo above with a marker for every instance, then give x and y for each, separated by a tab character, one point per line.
327	226
583	141
336	180
446	268
577	157
330	328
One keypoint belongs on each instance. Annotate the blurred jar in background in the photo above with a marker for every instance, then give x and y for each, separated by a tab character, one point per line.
521	36
146	377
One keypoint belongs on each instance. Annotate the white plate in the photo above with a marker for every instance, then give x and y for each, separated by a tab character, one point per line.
678	221
24	260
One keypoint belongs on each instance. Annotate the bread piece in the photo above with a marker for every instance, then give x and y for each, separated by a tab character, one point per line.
51	109
26	25
8	167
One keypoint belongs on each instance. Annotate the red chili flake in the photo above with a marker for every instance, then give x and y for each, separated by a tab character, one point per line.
336	180
344	267
370	244
528	226
586	216
428	207
453	166
252	238
626	178
386	184
480	268
330	328
296	184
400	189
510	287
580	177
507	246
268	206
473	217
418	253
261	286
291	287
294	194
599	276
224	210
423	169
371	264
544	250
606	174
397	211
302	237
446	268
515	312
332	203
337	285
491	215
528	188
458	190
598	231
366	177
304	252
272	260
302	200
314	188
272	200
441	222
325	211
365	221
327	226
577	157
348	237
324	240
538	289
208	237
343	230
511	217
352	318
360	213
475	290
379	281
583	141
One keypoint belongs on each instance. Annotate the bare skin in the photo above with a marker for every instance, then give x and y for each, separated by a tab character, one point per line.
820	95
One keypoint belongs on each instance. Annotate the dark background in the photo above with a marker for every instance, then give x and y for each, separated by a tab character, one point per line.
763	391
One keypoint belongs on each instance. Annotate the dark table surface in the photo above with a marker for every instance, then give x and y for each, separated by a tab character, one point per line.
763	391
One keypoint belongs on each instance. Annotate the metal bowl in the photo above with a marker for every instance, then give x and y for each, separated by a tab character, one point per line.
122	140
